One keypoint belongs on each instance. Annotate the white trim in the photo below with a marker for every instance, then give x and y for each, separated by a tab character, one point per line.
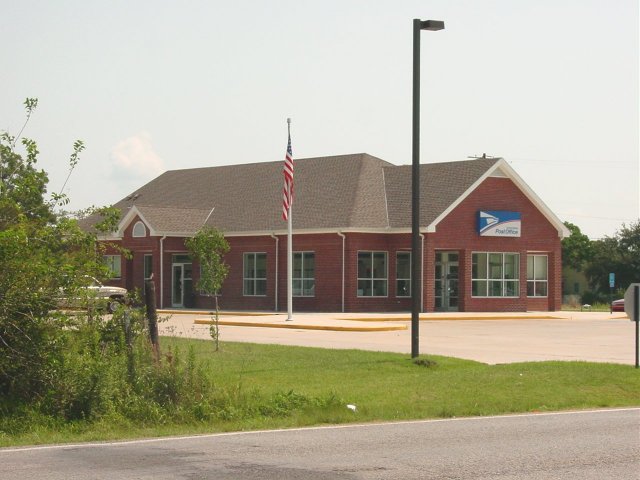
275	307
144	229
254	278
162	271
302	278
267	233
386	273
343	260
502	169
517	280
128	218
404	279
534	280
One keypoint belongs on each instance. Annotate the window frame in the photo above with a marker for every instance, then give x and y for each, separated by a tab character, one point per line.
403	279
145	257
144	230
111	262
146	278
372	278
302	278
534	281
492	281
254	279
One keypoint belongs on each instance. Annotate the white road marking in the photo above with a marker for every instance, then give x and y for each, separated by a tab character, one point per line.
300	429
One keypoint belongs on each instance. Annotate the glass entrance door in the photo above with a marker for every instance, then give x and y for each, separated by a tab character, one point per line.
177	289
181	281
446	282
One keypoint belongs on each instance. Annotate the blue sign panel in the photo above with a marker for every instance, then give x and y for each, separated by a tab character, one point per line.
498	223
612	280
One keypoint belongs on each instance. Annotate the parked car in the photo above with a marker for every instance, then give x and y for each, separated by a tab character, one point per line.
95	294
617	305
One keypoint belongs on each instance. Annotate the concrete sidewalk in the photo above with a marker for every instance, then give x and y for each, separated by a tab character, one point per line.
488	338
368	322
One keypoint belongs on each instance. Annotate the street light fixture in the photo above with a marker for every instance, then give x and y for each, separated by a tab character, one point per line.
416	270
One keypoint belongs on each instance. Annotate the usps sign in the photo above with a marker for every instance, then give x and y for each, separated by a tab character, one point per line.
498	223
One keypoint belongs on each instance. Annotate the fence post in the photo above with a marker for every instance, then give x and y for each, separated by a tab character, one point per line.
152	315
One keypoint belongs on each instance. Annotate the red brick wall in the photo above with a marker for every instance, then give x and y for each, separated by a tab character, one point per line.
457	232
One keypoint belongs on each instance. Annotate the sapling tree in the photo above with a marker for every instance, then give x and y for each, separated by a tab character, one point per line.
209	246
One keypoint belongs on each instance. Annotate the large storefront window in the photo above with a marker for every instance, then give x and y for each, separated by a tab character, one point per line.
304	268
403	274
537	276
372	274
255	274
495	274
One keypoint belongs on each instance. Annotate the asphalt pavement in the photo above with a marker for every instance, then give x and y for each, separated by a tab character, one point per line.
588	445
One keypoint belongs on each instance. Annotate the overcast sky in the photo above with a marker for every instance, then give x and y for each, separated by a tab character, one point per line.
549	85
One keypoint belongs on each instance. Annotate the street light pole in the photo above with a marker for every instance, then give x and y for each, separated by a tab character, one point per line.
416	268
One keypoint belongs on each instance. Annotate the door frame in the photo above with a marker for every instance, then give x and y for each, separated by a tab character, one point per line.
445	305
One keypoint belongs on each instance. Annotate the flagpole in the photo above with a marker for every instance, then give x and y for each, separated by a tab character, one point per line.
289	249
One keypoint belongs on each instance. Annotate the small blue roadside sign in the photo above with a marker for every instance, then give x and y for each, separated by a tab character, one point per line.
612	280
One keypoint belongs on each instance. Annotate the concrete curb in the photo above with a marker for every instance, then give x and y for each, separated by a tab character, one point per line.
452	317
169	311
297	326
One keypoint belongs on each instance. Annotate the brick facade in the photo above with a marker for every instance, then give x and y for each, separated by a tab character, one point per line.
457	233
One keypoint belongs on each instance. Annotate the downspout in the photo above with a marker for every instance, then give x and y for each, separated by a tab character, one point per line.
343	240
162	271
276	295
422	272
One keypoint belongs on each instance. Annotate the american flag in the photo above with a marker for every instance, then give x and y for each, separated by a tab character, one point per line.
287	191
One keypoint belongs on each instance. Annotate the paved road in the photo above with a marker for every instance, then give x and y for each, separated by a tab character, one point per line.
588	336
596	445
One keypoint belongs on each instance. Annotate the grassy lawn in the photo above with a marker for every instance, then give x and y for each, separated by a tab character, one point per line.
280	386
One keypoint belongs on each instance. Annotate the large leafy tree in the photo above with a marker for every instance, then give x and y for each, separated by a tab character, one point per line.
576	248
619	254
41	254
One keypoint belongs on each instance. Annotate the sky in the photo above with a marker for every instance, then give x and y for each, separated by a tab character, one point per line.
552	86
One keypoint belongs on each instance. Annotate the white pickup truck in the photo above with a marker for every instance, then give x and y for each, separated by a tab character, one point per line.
95	292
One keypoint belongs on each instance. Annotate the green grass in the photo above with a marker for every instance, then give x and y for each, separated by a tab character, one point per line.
272	386
596	307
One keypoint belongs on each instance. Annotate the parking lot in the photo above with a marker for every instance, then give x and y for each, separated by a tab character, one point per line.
487	338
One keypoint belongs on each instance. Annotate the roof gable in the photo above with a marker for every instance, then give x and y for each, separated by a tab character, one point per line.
338	193
502	169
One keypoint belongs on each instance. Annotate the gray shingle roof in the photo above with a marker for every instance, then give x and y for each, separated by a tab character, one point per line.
441	184
339	192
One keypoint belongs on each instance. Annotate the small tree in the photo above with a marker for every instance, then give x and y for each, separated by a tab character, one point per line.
208	246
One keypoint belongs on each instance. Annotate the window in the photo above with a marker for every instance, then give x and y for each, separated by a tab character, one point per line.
113	263
372	274
304	266
403	274
537	276
495	274
255	274
139	230
148	266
